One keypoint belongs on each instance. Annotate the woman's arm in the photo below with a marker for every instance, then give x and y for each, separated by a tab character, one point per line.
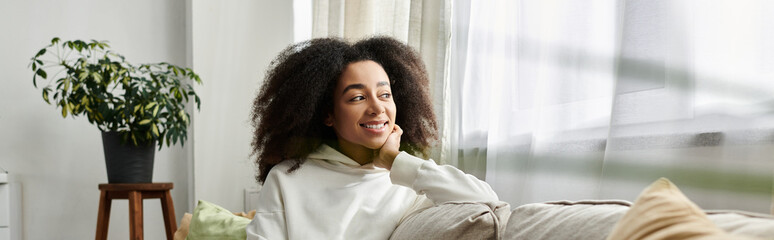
439	183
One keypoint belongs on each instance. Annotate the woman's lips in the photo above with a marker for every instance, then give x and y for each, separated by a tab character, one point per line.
375	126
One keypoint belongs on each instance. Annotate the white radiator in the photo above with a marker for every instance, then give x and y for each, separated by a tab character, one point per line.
10	208
251	198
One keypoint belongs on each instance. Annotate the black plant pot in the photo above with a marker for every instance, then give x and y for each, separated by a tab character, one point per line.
127	163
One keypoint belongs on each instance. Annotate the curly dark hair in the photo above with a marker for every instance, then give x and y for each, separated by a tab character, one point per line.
297	95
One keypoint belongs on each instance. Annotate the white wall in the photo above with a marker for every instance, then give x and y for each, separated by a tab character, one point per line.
233	43
60	161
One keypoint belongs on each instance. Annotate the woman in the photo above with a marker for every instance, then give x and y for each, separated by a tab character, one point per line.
337	126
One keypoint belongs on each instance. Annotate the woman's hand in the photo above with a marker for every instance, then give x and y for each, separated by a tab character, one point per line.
387	153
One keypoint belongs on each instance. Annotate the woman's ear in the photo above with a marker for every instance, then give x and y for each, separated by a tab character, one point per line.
329	121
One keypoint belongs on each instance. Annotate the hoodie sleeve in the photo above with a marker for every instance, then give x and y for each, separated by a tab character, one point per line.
440	184
269	221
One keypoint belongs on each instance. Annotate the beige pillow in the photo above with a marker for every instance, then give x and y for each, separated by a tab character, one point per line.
182	230
456	220
663	212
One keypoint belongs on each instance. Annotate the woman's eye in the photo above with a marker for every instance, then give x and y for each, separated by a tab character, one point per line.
386	95
358	98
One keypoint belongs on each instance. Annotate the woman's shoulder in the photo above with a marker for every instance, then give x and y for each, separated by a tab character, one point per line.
283	167
280	173
292	168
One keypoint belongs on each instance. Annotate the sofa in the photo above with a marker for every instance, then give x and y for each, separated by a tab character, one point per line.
660	212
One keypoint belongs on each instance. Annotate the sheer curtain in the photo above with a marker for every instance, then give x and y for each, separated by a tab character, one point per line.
422	24
553	100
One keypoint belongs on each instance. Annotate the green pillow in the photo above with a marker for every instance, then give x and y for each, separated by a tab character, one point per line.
211	221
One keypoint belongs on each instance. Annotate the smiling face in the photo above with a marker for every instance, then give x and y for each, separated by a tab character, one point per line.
363	109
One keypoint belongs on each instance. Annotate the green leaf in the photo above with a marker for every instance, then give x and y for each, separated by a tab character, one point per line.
155	111
54	41
40	53
145	121
76	86
45	95
64	110
96	76
41	73
174	138
78	45
150	105
155	130
66	84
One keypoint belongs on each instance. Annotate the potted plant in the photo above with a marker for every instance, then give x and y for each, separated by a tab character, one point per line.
135	107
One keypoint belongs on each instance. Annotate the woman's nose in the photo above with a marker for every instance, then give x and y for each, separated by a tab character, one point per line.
375	107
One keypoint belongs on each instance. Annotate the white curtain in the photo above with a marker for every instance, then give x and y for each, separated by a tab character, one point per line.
422	24
554	100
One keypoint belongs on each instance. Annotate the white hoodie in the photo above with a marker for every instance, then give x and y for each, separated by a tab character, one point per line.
333	197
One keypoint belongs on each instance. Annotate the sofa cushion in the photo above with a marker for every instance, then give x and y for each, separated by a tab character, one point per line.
743	223
588	219
455	220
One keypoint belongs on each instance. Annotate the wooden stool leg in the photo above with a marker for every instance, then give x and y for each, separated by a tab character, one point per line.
168	210
135	215
103	216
